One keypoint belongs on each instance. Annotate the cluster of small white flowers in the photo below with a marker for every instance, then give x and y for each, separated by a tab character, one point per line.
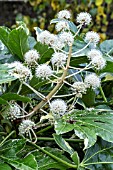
92	80
59	59
84	18
94	53
31	57
62	26
43	37
96	59
58	106
64	14
92	37
25	126
13	112
79	88
98	62
20	71
43	71
67	38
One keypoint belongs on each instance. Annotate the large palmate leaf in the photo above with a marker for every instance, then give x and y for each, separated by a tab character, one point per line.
87	125
99	156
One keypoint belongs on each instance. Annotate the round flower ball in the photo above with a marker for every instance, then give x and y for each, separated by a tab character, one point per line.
64	14
58	106
84	18
92	80
31	57
43	71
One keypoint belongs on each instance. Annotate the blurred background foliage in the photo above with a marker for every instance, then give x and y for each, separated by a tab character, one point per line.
40	12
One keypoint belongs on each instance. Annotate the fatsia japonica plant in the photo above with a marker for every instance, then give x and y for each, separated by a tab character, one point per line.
56	97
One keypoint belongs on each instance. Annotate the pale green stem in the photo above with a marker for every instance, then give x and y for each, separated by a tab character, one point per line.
55	157
52	139
7	138
65	95
20	87
35	91
102	93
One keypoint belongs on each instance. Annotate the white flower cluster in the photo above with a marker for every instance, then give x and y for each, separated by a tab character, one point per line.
96	59
92	80
31	57
64	14
26	126
20	71
44	71
92	37
58	106
58	59
84	18
13	112
67	38
62	26
79	88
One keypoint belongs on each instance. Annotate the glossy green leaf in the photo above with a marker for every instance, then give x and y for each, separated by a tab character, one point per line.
107	46
2	101
18	42
16	97
45	52
63	144
99	156
4	166
88	125
75	158
27	163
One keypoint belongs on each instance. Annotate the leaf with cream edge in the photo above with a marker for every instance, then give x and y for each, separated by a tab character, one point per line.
87	125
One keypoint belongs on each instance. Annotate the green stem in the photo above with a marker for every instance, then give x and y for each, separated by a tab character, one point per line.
7	137
102	93
52	139
54	157
44	130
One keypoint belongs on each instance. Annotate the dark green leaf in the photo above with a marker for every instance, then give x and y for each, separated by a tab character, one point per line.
2	101
63	144
75	158
14	96
18	42
4	166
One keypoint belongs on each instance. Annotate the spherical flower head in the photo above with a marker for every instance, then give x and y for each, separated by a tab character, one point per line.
62	26
84	18
92	37
20	71
58	44
94	53
13	112
26	126
92	80
98	62
58	106
79	88
59	59
43	37
67	38
31	57
44	71
64	14
53	39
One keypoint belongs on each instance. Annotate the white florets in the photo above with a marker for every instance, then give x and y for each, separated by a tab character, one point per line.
64	14
62	26
92	37
92	80
84	18
94	53
98	62
79	88
26	126
31	57
13	112
43	37
20	71
43	71
67	38
58	59
58	106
